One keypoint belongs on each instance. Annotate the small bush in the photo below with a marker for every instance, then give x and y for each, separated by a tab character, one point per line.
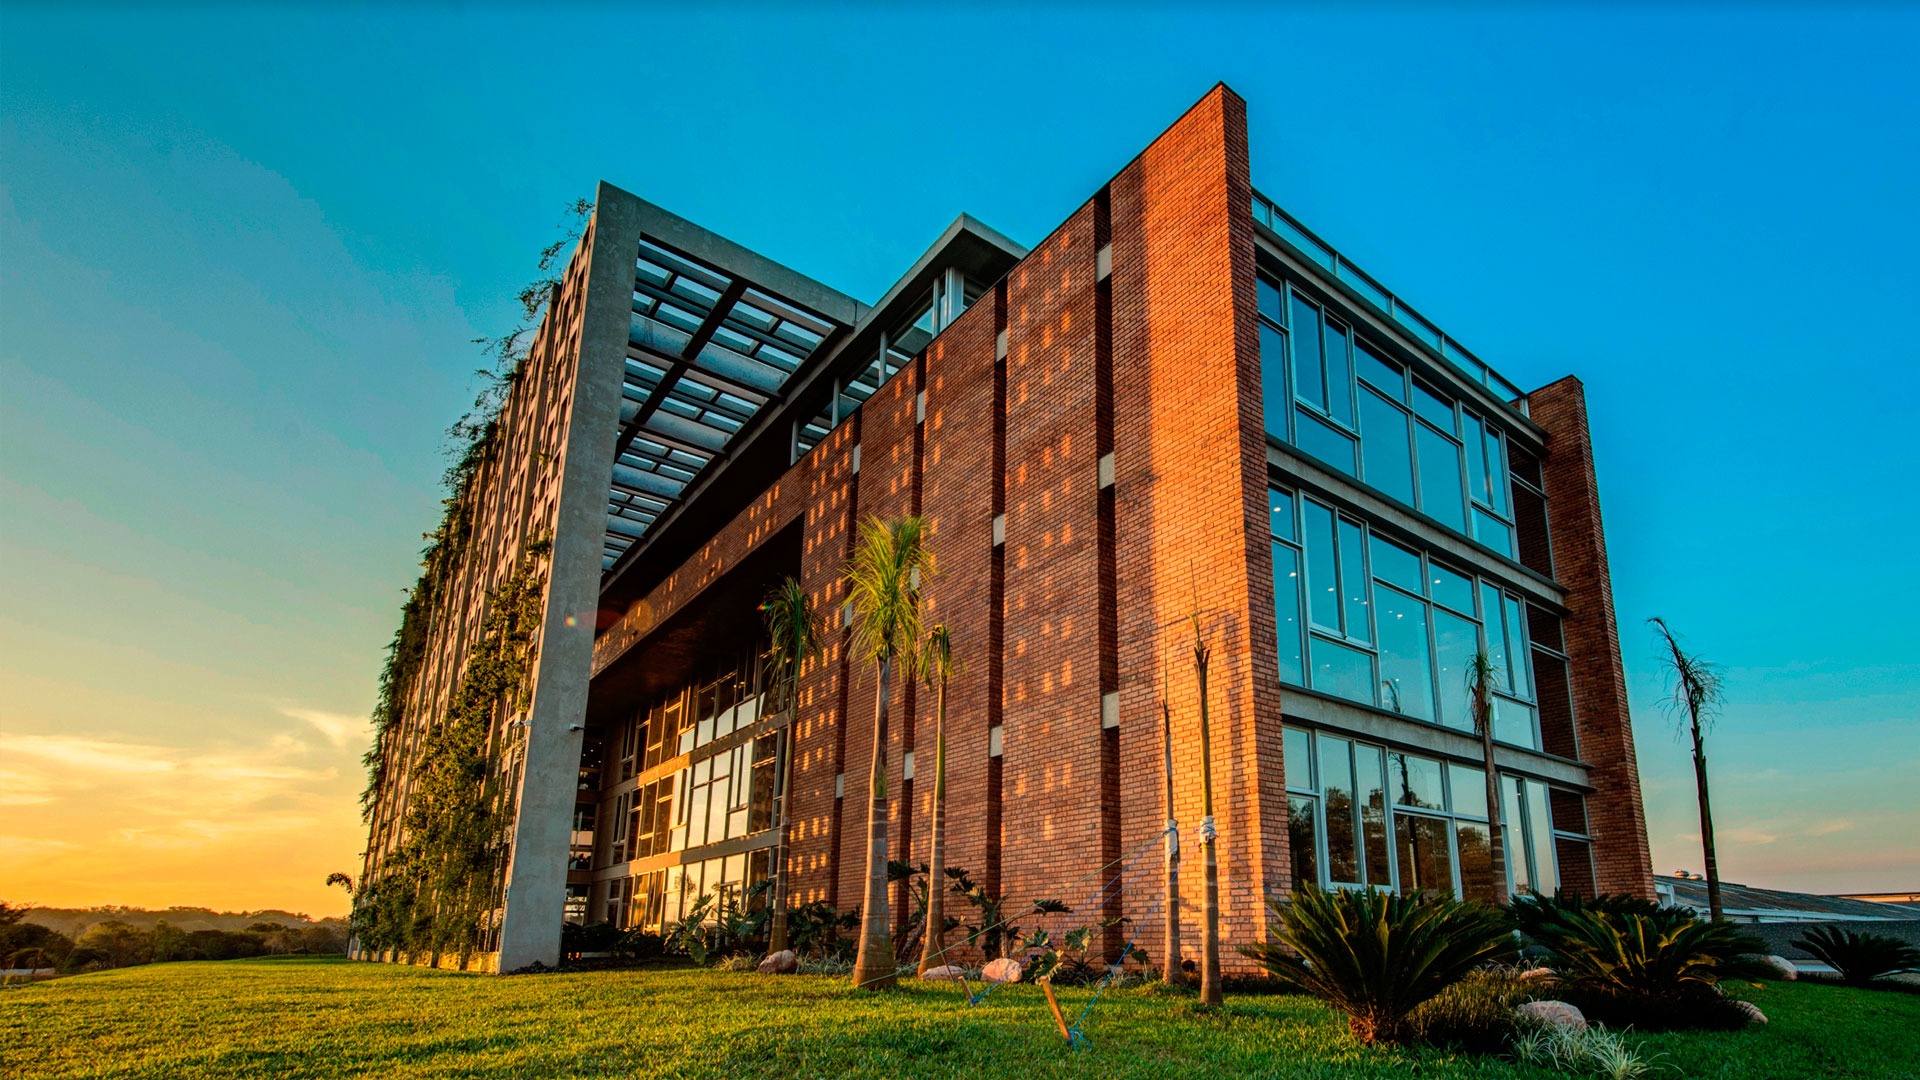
1859	958
1376	956
1657	969
1476	1014
737	962
1584	1051
826	965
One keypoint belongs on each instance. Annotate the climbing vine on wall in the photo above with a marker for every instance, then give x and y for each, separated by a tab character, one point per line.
435	892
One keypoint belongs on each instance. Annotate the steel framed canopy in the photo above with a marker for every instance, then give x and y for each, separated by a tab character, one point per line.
707	350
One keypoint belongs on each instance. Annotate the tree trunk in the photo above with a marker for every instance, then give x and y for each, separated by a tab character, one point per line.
1714	910
1170	971
783	781
1496	844
935	931
1210	940
874	966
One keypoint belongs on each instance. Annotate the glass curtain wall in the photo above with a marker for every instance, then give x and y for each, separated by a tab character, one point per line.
1361	814
695	770
1388	626
1344	401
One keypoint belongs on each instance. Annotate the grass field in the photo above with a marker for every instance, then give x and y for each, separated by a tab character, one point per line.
333	1018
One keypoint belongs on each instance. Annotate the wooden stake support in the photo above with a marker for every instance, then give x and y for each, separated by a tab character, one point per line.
1054	1004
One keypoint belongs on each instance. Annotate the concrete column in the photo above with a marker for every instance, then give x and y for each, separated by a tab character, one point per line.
537	870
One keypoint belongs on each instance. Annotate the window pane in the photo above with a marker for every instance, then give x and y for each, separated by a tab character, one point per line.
1386	456
1434	408
1496	472
1440	479
1336	782
1517	650
1321	440
1468	787
1369	775
1280	513
1513	723
1513	833
1455	641
1476	863
1296	753
1286	611
1426	857
1416	782
1302	841
1492	532
1339	379
1270	301
1353	580
1474	440
1273	379
1453	590
1495	616
1342	671
1540	838
1395	564
1382	373
1406	672
1309	383
1323	584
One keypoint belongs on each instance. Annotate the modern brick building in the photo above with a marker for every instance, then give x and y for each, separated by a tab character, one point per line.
1180	402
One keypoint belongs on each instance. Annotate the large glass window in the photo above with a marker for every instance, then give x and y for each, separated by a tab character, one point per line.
1386	450
1336	785
1440	478
1406	666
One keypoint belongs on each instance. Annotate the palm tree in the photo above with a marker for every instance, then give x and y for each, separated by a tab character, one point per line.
1697	693
883	586
1482	677
940	666
1209	848
794	631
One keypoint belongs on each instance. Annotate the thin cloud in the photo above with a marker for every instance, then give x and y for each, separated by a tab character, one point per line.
339	729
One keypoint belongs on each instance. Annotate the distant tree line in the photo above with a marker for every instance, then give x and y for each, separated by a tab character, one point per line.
128	936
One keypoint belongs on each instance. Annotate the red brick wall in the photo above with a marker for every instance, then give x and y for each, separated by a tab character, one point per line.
1622	862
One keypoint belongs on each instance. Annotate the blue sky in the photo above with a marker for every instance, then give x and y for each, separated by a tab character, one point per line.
243	254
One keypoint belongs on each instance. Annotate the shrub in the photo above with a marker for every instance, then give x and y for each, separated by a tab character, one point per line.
1475	1014
1625	965
1376	956
1583	1050
1859	958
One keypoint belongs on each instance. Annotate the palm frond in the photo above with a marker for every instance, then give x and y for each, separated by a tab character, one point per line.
938	663
1698	686
889	567
794	630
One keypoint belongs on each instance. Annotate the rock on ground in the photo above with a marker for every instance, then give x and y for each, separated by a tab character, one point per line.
780	963
1558	1013
1005	969
1751	1012
946	972
1780	967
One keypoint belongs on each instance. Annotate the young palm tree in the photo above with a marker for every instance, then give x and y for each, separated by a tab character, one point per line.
1209	848
938	661
1697	694
1482	677
794	630
883	585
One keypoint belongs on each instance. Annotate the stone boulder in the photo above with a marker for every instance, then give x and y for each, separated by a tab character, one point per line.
1557	1013
1778	967
1538	974
944	973
1751	1011
1005	969
780	963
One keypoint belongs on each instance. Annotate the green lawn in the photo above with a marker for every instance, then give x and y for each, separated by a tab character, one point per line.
330	1018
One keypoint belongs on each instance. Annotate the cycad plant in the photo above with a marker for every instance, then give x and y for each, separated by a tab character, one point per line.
940	666
1623	963
1696	694
1482	677
1859	958
1374	955
794	632
884	578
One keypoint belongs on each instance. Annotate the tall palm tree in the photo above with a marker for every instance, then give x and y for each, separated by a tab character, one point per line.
794	631
1698	692
940	665
1482	677
883	585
